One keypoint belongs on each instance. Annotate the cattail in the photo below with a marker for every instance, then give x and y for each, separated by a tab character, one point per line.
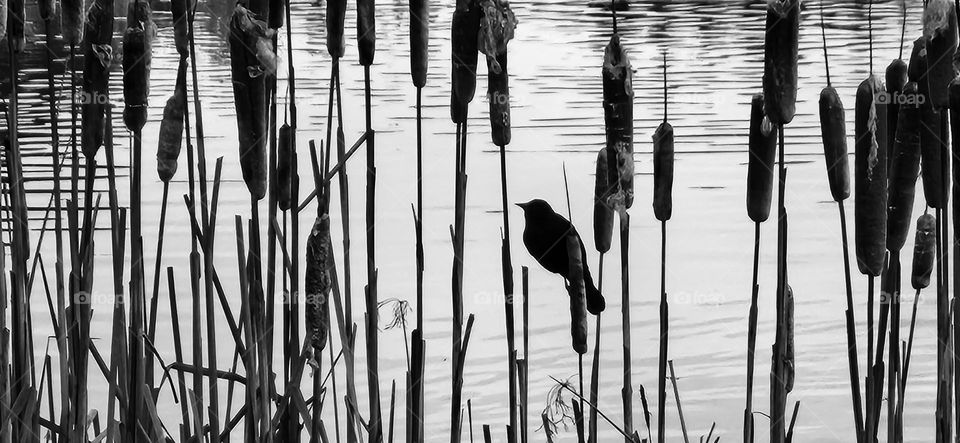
419	41
605	188
251	59
171	127
464	47
284	174
71	20
940	31
780	60
181	36
318	283
336	13
48	9
97	58
618	114
137	54
762	145
4	8
924	250
904	169
577	292
663	171
275	14
895	79
833	131
929	127
17	17
496	30
366	30
870	174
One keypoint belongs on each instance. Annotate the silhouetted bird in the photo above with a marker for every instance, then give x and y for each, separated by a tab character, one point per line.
544	235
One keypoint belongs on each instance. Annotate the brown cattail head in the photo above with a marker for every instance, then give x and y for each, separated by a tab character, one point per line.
870	176
171	127
780	59
578	295
496	30
336	13
366	31
252	60
71	20
181	36
16	18
762	145
924	251
929	127
603	207
4	12
48	9
137	55
895	80
833	131
284	173
275	13
419	41
97	58
940	31
464	47
663	171
904	169
318	283
618	113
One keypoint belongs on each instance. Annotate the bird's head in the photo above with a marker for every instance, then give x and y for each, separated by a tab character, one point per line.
535	207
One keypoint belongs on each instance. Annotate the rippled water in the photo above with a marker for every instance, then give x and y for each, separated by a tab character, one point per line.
715	65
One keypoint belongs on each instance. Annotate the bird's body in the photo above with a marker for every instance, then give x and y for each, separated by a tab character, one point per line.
544	235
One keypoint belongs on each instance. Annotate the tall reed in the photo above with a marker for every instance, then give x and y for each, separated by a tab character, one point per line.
496	30
663	153
762	147
779	93
419	63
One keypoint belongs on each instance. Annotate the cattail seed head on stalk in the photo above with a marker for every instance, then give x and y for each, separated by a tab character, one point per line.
833	131
929	127
603	208
464	48
284	173
870	175
904	169
924	251
137	56
4	12
252	59
48	9
577	292
762	145
366	31
790	361
318	283
895	79
780	59
940	31
71	20
419	41
97	59
496	30
181	36
336	14
618	114
663	172
171	127
16	19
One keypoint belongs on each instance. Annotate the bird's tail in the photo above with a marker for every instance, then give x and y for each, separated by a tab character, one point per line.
595	302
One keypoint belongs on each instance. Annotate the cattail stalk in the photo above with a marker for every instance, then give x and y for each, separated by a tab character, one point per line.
663	153
762	146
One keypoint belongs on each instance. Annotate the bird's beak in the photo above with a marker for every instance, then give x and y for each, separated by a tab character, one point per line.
522	205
